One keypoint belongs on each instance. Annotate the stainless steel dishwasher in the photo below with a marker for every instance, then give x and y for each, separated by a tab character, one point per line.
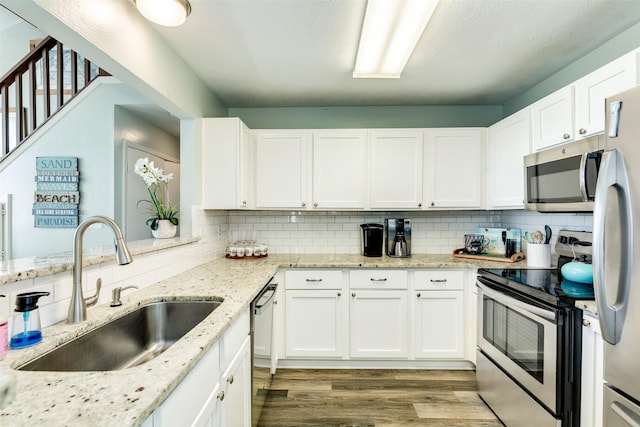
263	362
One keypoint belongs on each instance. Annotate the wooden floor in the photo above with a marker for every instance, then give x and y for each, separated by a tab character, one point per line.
373	397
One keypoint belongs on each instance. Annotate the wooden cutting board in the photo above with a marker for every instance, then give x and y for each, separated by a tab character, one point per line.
460	253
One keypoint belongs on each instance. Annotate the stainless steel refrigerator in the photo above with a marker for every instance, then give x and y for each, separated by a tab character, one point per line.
616	254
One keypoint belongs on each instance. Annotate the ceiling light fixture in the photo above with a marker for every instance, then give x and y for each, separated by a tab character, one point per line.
169	13
390	32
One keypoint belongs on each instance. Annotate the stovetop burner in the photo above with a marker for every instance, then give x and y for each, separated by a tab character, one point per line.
547	284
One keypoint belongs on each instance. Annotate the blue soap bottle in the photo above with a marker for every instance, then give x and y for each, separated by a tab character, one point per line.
26	330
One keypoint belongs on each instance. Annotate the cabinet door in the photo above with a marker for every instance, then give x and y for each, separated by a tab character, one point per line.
396	169
225	163
591	399
315	323
592	89
339	159
379	324
236	385
509	141
282	167
184	405
552	119
439	324
456	168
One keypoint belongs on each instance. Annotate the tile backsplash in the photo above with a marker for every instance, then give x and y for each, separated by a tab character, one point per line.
339	232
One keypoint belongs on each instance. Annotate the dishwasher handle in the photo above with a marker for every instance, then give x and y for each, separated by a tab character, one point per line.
271	287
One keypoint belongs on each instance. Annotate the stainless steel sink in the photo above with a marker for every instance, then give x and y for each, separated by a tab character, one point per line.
127	341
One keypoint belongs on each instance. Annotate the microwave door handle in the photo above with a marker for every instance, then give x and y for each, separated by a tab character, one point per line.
583	176
541	312
613	175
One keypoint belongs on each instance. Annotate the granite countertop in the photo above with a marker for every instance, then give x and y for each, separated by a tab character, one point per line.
128	397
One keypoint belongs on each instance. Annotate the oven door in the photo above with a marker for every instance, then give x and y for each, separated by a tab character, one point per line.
522	340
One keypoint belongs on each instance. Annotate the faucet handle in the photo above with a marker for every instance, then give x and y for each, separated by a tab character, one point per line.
115	295
93	299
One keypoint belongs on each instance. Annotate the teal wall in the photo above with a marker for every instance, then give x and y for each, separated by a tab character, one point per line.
623	43
368	117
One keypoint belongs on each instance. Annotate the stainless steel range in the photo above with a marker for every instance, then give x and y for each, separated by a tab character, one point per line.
529	340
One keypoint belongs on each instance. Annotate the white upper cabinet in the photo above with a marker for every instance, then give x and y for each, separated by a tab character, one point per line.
339	169
396	168
226	175
592	89
282	169
509	141
455	174
552	119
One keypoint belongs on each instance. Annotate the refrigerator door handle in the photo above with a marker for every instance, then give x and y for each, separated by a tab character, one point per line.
613	175
626	414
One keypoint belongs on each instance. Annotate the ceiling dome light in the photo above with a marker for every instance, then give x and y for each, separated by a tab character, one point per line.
169	13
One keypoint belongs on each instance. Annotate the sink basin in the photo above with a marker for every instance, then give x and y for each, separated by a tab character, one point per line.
127	341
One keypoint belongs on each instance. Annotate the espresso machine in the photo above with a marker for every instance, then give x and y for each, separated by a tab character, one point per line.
398	237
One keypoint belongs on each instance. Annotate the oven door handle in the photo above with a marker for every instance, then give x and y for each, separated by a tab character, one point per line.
541	312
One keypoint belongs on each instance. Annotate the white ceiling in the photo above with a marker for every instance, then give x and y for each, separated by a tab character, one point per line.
255	53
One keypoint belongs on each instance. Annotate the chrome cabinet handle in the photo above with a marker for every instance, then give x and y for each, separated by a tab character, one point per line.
373	279
566	136
438	280
582	131
230	379
313	280
613	175
220	395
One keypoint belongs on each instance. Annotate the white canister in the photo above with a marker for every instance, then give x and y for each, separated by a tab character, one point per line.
539	255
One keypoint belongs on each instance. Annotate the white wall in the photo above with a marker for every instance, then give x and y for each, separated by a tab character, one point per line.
83	129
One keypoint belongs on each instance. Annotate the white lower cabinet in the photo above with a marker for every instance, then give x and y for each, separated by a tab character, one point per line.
217	391
379	324
315	313
236	386
378	315
591	400
365	315
438	315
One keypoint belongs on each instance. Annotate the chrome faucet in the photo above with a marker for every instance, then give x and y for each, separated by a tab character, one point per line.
78	305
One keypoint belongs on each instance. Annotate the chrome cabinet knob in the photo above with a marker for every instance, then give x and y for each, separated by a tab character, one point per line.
582	131
220	395
304	204
433	204
315	205
230	379
339	294
419	205
353	294
566	136
418	295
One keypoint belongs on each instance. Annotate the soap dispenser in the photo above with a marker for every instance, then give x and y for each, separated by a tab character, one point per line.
26	330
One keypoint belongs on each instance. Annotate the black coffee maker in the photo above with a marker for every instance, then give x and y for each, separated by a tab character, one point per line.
372	239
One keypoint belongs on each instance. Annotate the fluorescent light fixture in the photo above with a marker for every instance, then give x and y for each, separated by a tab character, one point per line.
390	32
169	13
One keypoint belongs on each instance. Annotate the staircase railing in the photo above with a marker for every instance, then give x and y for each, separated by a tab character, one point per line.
37	87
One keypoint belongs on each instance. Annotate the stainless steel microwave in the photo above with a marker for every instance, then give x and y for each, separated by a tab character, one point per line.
563	178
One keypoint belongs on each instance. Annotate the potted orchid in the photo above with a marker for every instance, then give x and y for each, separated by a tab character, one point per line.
164	216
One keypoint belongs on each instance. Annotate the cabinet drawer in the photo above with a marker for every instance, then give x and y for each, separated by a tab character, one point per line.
438	279
313	279
378	279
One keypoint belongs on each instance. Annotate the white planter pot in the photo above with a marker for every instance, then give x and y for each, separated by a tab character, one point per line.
165	229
